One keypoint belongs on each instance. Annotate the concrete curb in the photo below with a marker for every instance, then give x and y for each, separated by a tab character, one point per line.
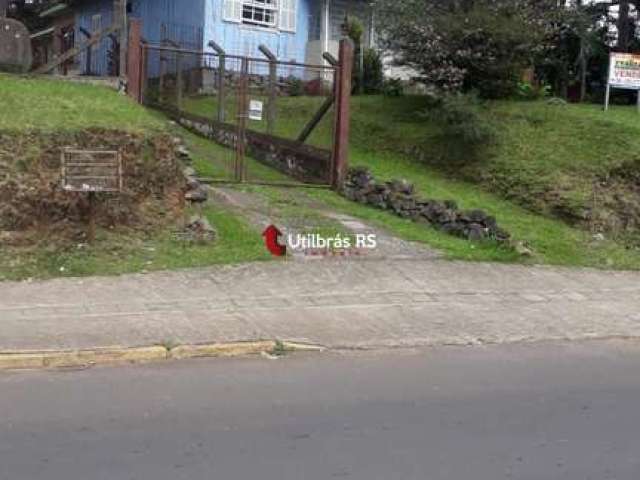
52	359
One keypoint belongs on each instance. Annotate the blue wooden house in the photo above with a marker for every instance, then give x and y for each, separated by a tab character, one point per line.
299	30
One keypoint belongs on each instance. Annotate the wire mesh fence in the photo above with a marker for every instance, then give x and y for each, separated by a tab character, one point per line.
259	100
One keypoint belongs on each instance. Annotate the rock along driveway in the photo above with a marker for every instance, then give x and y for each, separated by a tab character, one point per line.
335	303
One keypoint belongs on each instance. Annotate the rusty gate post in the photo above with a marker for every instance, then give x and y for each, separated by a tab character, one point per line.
179	79
144	71
273	88
242	114
343	111
162	73
163	63
134	68
221	74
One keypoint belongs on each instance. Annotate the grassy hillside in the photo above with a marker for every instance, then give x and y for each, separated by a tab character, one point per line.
540	170
41	227
52	105
534	179
547	157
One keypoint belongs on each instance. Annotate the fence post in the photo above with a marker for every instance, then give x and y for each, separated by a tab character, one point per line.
221	74
134	67
144	71
273	88
57	46
343	111
163	63
179	80
243	114
161	74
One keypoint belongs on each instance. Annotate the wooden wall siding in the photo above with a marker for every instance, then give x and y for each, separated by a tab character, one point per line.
84	18
183	24
241	39
193	23
184	20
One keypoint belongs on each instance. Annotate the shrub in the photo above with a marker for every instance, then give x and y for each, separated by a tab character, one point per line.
459	116
526	91
393	87
294	86
372	75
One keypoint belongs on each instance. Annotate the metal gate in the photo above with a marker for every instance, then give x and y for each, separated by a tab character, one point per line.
277	120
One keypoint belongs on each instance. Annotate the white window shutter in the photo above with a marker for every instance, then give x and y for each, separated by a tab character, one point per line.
288	14
232	10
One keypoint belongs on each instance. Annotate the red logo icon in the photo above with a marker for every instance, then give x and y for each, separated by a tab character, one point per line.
271	240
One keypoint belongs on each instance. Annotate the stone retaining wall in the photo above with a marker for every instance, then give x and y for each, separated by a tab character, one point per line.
399	197
302	162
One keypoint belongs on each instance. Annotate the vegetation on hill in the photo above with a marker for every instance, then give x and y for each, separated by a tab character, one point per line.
43	227
54	105
536	176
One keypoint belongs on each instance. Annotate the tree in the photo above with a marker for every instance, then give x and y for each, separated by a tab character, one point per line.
625	26
467	45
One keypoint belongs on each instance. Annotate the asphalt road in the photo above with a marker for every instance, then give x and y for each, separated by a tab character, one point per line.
482	413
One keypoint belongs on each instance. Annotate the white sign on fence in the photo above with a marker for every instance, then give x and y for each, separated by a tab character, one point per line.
624	72
255	110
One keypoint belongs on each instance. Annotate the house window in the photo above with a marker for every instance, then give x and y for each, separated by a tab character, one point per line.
279	14
259	12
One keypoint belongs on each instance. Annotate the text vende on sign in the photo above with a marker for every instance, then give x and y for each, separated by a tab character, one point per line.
624	72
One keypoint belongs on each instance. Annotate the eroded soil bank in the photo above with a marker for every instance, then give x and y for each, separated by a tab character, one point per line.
34	207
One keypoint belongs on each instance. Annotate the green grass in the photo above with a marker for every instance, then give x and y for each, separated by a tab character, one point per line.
385	130
214	161
49	107
292	114
541	147
122	252
553	242
54	105
559	149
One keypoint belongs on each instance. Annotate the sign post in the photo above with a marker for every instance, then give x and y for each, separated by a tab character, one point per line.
624	73
91	172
